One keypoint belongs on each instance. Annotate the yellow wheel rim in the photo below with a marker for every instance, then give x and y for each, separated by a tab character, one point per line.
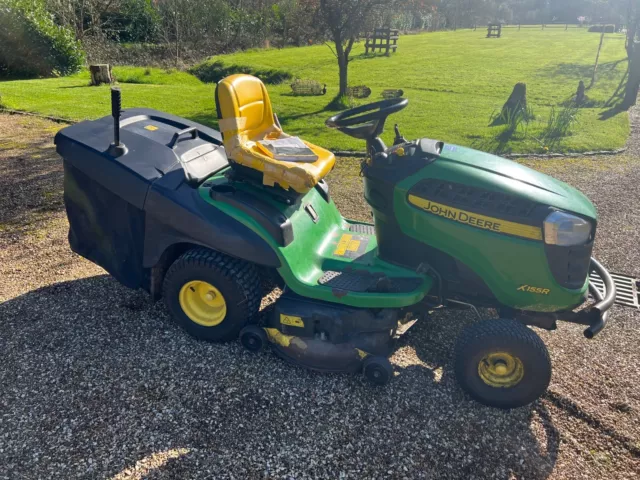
203	303
501	370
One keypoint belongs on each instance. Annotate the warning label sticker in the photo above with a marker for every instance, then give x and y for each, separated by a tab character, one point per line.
351	246
292	320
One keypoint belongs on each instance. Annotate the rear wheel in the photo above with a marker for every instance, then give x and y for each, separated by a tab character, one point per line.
502	363
212	296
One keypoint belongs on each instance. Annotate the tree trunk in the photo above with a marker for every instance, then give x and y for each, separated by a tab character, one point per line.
342	54
633	56
633	82
177	42
343	65
595	67
100	74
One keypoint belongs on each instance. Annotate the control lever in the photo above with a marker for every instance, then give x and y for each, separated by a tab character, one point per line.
117	148
399	138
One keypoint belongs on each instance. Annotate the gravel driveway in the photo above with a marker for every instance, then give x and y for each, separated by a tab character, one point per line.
96	382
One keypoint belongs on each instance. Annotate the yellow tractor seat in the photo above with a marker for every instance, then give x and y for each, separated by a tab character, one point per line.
245	117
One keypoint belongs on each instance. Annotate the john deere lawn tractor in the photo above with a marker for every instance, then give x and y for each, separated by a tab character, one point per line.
201	218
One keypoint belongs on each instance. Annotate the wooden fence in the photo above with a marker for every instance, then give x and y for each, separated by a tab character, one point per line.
546	26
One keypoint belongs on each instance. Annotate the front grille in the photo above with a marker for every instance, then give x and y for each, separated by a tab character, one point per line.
569	265
474	198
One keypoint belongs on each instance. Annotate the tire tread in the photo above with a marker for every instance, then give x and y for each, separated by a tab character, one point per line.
500	327
512	331
237	271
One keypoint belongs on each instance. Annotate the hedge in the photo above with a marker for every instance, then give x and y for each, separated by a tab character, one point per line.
598	28
32	45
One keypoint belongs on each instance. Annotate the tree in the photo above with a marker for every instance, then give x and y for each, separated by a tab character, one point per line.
292	22
32	44
633	55
346	21
88	17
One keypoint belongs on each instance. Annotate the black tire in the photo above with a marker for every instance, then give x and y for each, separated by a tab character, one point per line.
487	340
237	281
377	370
253	338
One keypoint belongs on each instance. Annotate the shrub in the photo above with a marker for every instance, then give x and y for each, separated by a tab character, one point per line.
31	44
598	28
515	118
153	76
212	71
559	124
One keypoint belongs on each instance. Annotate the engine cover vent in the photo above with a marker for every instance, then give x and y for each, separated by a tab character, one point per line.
474	198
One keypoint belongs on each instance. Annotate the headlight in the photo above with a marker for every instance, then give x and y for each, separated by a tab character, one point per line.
565	230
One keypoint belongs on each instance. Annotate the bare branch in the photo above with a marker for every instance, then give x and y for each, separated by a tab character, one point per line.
331	48
347	50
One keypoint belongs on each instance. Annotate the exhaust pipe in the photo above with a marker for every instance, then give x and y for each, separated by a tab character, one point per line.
117	148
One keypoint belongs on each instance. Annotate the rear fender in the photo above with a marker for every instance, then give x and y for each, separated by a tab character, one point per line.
182	217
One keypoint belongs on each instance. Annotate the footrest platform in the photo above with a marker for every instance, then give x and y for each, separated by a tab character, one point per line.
362	281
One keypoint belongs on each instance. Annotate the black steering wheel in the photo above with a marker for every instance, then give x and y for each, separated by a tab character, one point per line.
366	121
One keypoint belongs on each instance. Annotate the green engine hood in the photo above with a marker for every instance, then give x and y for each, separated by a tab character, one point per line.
495	173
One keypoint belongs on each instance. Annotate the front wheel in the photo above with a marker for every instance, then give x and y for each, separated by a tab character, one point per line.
502	363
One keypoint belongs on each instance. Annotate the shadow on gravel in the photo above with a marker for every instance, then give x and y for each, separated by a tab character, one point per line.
97	380
30	172
573	409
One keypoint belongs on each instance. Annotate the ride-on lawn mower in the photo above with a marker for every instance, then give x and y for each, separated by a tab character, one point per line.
200	218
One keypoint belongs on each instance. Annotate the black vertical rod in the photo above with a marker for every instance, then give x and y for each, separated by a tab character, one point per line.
116	148
116	109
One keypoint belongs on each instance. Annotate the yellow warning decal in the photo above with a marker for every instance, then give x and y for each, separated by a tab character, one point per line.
351	246
291	320
346	243
343	245
151	128
478	221
362	354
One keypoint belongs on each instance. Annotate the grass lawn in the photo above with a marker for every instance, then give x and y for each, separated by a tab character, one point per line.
454	82
72	97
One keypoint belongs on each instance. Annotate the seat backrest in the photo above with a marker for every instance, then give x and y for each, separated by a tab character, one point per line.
244	108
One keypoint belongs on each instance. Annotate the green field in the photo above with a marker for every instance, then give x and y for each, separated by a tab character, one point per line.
454	82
